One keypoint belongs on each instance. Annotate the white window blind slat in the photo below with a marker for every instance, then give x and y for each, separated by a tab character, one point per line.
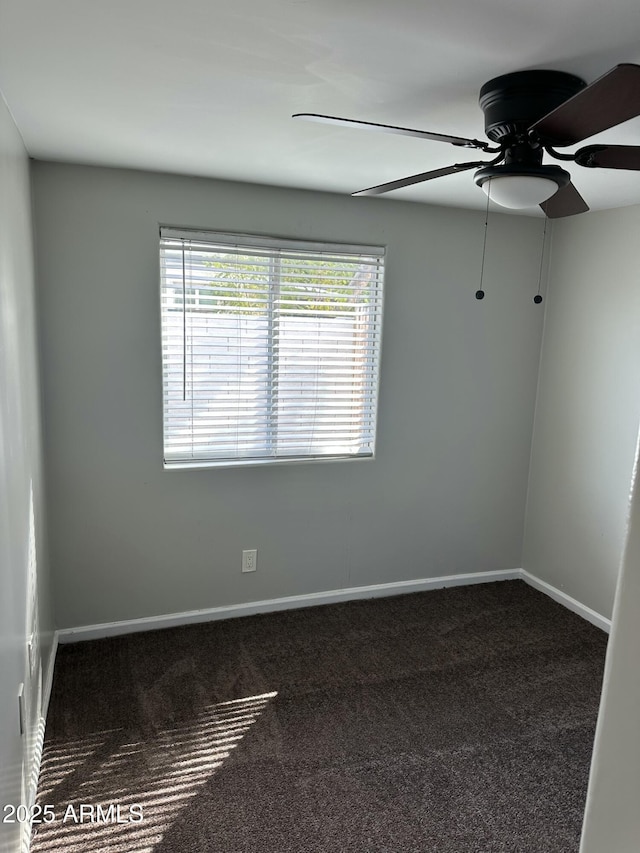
270	348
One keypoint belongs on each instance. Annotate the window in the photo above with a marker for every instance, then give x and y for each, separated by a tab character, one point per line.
270	348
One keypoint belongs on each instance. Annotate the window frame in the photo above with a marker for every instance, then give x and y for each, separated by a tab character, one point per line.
273	244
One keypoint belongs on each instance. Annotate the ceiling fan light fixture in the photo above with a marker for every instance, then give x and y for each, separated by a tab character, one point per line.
520	191
519	187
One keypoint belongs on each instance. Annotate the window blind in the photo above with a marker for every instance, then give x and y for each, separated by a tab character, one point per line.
270	348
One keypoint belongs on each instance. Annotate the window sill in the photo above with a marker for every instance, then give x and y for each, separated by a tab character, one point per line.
260	463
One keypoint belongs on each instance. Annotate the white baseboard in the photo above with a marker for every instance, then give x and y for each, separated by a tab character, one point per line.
48	679
34	770
569	602
291	602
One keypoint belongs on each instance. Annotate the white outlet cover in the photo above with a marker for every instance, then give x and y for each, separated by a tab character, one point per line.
21	713
250	560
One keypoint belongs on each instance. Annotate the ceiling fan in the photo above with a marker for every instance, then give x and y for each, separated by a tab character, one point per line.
527	113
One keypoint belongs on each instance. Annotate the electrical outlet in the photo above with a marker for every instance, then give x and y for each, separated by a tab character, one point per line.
250	560
21	710
31	651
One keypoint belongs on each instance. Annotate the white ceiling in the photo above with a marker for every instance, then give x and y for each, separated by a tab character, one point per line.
206	87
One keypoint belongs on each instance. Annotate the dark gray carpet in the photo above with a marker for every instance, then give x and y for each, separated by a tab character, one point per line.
453	721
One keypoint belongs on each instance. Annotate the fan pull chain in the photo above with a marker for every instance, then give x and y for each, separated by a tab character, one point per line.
480	292
538	297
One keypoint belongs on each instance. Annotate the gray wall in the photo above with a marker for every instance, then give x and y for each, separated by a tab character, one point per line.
588	408
23	559
612	819
446	493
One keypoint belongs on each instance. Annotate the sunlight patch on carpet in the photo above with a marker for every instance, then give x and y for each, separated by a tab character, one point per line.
169	767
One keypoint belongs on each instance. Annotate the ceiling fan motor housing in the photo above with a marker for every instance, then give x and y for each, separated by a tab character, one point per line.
513	102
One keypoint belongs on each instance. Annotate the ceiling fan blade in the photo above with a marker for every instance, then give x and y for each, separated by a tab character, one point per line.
610	100
417	179
566	202
390	128
609	157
